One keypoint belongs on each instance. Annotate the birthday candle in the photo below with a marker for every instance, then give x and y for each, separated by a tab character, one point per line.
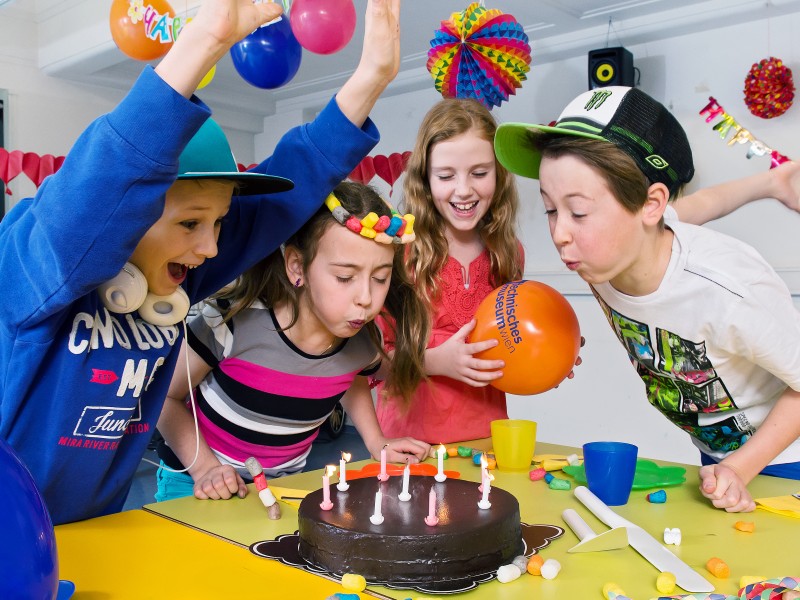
343	486
440	476
377	517
404	495
326	503
383	476
431	519
487	486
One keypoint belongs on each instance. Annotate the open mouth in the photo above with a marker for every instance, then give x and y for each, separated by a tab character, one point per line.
464	208
178	271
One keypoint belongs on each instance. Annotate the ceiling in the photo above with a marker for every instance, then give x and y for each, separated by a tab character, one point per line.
74	41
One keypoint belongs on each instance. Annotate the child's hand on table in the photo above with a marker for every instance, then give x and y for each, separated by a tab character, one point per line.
725	488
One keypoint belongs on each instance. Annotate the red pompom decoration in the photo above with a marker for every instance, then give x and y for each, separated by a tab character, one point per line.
769	88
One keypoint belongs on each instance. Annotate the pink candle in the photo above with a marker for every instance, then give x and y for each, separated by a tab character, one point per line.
383	474
440	476
326	503
431	519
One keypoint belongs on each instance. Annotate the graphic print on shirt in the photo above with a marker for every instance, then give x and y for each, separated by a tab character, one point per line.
115	408
680	381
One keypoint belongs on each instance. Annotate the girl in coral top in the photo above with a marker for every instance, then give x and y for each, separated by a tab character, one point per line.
465	203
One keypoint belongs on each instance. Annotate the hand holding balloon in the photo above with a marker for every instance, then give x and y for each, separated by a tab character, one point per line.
456	359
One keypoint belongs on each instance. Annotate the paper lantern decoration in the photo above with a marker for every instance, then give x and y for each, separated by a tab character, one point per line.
769	88
479	53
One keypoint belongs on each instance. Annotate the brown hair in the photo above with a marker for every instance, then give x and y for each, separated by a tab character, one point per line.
268	282
626	181
447	119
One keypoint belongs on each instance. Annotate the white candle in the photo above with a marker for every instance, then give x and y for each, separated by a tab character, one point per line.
383	476
431	519
484	470
440	476
487	486
404	495
377	517
326	503
343	486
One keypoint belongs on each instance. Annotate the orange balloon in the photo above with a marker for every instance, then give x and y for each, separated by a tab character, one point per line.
132	38
538	333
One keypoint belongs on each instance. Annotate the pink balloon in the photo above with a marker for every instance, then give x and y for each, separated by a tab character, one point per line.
323	26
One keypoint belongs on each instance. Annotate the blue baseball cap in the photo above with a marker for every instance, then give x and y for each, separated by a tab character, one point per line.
208	155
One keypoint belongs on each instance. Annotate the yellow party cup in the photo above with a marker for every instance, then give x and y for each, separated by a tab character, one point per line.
514	441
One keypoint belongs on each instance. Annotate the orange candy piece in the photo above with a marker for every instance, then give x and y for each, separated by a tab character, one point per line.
535	564
746	526
451	452
718	568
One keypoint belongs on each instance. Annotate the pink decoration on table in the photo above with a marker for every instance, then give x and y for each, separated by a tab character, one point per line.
326	503
431	520
383	475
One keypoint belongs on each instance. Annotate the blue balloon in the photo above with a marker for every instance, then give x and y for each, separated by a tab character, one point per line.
269	57
28	558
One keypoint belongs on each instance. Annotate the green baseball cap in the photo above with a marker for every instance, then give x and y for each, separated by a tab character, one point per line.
208	156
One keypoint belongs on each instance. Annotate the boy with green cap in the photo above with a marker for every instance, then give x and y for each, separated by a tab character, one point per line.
708	324
147	215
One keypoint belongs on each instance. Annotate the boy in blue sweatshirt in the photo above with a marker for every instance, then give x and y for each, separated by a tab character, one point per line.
84	367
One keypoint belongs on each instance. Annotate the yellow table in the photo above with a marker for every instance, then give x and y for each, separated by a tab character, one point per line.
152	553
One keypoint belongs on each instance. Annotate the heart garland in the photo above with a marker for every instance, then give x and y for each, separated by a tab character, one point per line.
34	166
389	168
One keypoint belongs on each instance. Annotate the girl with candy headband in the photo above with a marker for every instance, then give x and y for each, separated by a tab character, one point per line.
273	353
466	208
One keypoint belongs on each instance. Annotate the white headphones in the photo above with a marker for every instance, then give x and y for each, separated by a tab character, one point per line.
128	291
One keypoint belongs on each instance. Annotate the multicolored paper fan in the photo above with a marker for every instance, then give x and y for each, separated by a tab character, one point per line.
769	88
479	53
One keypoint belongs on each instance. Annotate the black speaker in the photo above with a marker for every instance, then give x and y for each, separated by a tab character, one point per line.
610	66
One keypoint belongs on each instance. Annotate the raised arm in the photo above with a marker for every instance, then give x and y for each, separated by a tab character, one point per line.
781	183
218	25
380	61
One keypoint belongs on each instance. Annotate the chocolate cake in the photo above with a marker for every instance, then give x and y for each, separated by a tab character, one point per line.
467	540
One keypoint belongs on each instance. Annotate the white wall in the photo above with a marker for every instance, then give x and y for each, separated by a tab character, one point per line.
606	399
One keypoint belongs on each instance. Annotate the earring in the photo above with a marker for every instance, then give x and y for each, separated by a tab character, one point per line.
297	283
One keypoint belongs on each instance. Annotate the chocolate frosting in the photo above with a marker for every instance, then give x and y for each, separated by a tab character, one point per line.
467	540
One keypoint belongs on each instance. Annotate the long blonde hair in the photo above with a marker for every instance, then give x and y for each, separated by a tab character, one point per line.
268	282
428	255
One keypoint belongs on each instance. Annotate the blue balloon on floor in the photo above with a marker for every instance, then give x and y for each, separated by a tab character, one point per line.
28	558
269	57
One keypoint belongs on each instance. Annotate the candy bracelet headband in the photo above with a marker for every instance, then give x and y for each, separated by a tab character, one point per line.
384	230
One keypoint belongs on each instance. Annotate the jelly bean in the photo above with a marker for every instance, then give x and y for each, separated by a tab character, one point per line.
746	526
370	220
535	563
476	459
537	474
508	573
718	568
658	497
464	451
521	563
550	568
491	463
354	583
548	477
672	536
452	452
665	583
556	483
382	223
